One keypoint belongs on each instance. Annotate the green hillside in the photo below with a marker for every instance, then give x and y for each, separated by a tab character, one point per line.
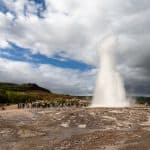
19	93
22	87
16	93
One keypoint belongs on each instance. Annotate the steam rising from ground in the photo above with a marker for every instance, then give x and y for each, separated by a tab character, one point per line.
110	91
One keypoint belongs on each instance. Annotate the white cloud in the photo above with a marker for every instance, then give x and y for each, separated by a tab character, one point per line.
56	79
73	29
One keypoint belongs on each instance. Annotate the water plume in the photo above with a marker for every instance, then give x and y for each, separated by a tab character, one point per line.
110	91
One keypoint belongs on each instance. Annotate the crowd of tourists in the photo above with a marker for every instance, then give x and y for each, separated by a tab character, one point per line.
42	104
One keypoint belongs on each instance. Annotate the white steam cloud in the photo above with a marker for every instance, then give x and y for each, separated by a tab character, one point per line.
110	91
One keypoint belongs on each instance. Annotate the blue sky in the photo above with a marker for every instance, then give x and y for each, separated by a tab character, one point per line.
69	71
56	43
17	53
14	52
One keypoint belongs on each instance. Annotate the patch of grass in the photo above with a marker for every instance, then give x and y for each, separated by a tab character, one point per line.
22	87
143	100
19	93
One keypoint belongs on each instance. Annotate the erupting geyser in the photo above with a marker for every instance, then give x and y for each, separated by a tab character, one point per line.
110	91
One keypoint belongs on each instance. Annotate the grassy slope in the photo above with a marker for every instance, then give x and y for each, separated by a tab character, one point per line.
15	93
22	87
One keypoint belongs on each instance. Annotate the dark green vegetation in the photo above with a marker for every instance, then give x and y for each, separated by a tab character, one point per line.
22	87
15	93
21	93
143	100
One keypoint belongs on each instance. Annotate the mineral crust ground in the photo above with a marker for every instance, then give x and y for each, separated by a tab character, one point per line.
75	129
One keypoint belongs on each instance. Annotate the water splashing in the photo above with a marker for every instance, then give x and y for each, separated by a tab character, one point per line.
110	91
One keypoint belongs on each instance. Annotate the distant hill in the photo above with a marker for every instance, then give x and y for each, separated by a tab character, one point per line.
22	87
11	93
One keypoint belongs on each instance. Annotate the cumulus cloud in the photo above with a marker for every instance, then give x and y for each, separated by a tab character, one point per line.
53	78
74	28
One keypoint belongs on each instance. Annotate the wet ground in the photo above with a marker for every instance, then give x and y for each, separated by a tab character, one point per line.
75	129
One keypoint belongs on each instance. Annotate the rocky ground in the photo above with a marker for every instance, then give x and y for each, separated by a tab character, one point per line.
75	129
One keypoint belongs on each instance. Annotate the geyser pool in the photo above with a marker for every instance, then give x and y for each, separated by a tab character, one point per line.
110	91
